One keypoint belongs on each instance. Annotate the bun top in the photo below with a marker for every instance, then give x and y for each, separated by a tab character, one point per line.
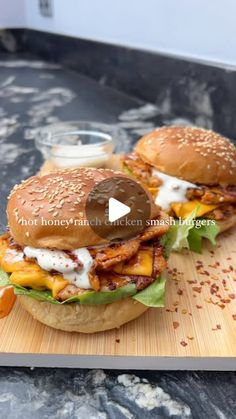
194	154
55	198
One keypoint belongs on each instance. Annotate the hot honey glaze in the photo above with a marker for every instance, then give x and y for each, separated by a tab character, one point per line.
7	300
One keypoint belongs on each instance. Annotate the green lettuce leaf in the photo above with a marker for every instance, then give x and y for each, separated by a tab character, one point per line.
169	239
90	297
104	297
4	278
45	295
183	229
127	170
93	297
190	233
153	296
196	235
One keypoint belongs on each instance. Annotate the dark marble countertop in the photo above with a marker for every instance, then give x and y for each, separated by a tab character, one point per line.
93	394
34	94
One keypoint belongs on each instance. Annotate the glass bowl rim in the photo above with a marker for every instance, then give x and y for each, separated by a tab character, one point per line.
44	136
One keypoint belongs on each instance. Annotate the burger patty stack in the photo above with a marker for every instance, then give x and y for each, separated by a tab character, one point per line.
186	169
66	275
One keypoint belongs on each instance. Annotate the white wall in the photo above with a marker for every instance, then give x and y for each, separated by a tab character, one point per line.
12	14
199	29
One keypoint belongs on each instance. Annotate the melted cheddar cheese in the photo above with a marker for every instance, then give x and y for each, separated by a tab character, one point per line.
29	274
184	209
139	264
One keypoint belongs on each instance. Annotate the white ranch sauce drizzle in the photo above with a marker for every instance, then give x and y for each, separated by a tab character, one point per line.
13	256
59	261
171	190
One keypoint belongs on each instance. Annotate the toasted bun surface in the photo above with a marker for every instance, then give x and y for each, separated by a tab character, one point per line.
83	318
56	197
59	195
194	154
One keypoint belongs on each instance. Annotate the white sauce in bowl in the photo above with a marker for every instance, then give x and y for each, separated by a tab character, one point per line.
78	156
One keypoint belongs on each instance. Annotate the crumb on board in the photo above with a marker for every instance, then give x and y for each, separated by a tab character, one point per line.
218	327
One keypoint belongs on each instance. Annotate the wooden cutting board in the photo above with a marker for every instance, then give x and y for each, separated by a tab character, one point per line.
195	330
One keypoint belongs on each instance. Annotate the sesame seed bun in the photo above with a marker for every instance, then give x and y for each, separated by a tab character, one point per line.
60	196
83	318
194	154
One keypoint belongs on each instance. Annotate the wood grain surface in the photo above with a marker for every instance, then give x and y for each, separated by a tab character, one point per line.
199	318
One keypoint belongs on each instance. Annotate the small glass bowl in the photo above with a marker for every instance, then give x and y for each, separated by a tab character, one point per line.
76	144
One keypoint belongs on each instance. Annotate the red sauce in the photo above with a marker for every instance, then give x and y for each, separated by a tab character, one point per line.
7	300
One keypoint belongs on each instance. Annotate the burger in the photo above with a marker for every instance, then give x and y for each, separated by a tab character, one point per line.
191	173
65	275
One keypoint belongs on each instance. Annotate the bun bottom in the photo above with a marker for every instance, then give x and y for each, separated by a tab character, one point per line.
75	317
227	224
